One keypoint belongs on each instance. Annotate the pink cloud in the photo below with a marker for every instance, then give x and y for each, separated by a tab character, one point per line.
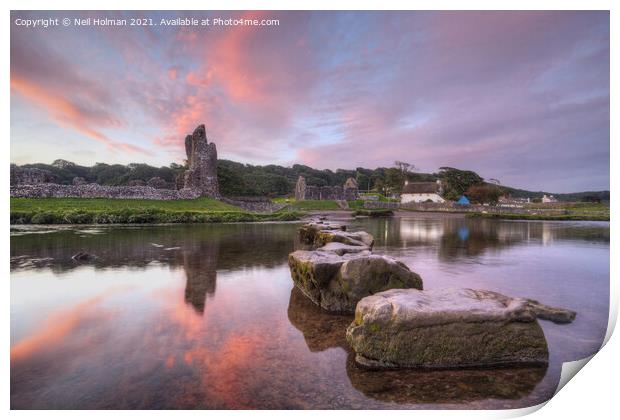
68	114
471	89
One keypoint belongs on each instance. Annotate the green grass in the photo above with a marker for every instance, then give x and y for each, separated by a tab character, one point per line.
99	204
309	205
381	197
356	204
567	211
318	205
105	211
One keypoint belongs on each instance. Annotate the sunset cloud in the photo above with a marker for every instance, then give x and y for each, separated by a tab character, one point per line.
518	96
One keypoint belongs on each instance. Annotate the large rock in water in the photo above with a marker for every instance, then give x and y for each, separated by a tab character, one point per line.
337	282
445	329
334	237
308	231
324	237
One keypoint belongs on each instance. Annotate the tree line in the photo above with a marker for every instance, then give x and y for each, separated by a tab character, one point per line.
238	179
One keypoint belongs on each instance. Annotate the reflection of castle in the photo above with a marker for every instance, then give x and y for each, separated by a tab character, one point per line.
201	273
200	250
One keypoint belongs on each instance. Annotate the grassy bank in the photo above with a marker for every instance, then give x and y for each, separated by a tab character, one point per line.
308	205
318	205
568	211
106	211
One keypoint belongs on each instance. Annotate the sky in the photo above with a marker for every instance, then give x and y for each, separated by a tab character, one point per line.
522	97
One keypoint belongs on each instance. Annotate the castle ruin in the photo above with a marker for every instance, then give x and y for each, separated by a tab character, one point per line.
202	161
199	180
310	192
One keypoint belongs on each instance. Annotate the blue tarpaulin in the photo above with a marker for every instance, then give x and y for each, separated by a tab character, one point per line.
463	201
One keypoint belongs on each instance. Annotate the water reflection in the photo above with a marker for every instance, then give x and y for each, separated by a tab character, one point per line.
457	238
200	252
445	386
322	331
206	316
201	271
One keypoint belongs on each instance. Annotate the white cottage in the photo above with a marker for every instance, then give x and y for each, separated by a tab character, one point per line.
420	192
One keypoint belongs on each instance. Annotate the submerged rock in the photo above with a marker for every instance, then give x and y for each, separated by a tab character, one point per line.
321	330
550	313
540	310
472	387
337	282
445	329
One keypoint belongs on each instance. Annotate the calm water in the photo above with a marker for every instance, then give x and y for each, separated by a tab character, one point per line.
206	316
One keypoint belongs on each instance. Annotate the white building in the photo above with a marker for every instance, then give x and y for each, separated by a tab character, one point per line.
421	192
549	199
508	201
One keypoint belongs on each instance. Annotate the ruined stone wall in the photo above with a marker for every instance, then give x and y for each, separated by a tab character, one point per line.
331	193
202	160
30	175
200	180
350	189
255	204
311	192
99	191
301	189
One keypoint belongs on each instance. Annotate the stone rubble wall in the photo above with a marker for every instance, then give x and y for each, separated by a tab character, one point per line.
200	180
254	204
30	175
100	191
453	207
381	205
310	192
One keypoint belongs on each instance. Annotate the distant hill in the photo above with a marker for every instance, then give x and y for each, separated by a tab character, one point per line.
602	196
238	179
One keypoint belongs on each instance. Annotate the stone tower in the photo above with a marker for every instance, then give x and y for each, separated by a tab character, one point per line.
300	189
202	161
350	189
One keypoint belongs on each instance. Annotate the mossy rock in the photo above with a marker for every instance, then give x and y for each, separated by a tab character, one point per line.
450	328
337	282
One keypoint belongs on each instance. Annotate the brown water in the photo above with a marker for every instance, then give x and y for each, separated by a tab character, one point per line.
205	316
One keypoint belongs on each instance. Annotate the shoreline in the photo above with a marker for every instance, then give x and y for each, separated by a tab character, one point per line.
164	218
58	211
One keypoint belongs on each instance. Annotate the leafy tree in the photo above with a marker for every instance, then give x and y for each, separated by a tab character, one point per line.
379	186
394	180
457	181
484	193
405	167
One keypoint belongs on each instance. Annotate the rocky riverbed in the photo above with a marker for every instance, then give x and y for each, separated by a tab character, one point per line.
342	269
398	325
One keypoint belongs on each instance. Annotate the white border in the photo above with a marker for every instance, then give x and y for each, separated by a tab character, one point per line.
593	395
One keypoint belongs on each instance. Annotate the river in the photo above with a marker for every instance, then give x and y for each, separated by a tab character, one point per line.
206	316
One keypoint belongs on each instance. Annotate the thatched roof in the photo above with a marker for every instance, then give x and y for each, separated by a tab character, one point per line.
421	188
